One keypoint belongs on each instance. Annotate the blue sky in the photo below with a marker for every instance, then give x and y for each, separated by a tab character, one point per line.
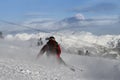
18	10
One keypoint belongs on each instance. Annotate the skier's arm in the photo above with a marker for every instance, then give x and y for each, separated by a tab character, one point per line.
42	51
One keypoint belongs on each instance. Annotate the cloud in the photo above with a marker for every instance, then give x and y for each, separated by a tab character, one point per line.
80	16
100	7
76	22
41	23
36	14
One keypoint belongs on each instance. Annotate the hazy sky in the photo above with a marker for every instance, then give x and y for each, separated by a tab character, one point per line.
18	10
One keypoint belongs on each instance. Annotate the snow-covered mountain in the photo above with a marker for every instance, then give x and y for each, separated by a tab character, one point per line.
80	43
78	22
75	26
88	47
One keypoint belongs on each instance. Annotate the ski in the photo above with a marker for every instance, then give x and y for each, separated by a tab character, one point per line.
71	67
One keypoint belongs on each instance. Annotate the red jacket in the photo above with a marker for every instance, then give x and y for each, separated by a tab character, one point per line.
52	47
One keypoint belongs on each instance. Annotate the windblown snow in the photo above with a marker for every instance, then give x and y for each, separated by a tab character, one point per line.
93	57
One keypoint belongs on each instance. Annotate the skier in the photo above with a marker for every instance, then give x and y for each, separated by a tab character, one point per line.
40	42
1	35
52	48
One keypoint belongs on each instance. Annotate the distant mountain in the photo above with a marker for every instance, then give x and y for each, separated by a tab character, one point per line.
74	23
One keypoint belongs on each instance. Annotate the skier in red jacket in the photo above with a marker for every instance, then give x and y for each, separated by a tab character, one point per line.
51	48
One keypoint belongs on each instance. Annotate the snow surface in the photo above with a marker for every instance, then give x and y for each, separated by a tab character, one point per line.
18	58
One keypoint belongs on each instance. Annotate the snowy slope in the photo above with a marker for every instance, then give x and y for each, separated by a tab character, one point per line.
18	60
77	42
